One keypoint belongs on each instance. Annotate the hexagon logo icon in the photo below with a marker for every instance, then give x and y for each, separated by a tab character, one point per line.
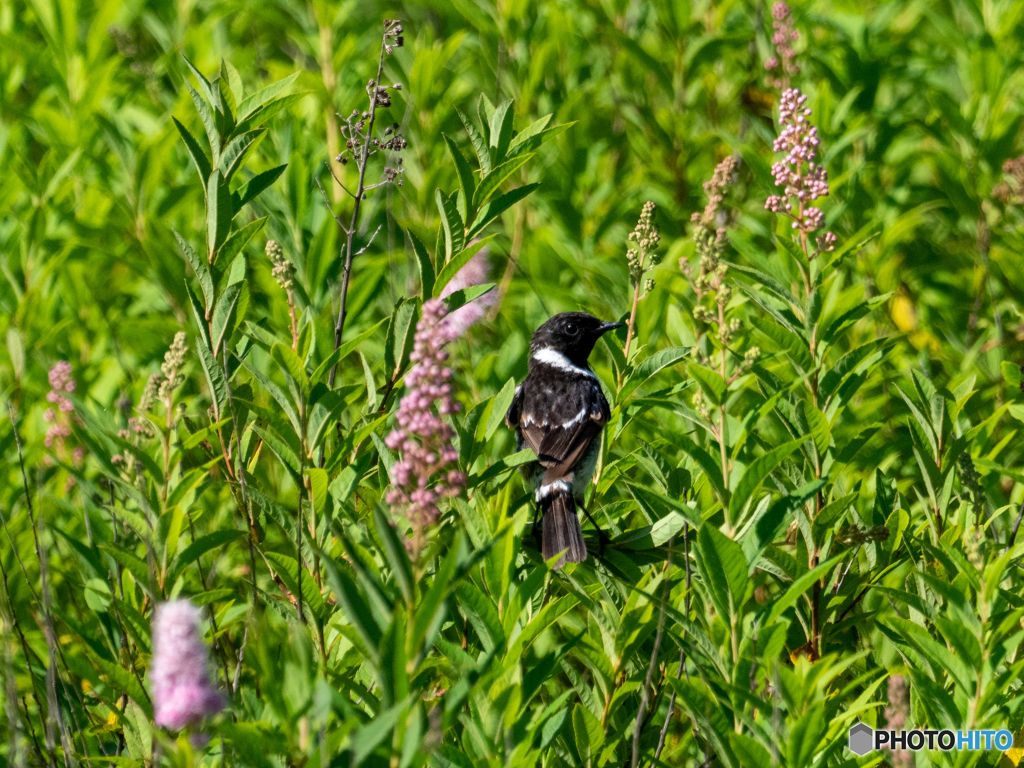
861	739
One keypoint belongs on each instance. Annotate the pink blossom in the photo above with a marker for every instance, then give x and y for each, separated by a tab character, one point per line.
422	475
802	179
61	383
475	272
783	65
183	691
896	717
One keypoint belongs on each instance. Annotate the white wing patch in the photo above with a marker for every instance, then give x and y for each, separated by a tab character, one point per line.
579	417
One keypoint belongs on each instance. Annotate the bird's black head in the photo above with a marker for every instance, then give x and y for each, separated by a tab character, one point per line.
572	334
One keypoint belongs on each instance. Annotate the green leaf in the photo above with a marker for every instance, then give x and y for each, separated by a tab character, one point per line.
498	205
466	179
204	84
123	681
292	367
394	551
286	454
545	618
649	367
200	547
820	429
16	350
425	265
799	586
759	532
237	150
710	381
528	142
218	213
501	128
756	473
209	121
401	335
234	81
223	320
323	415
844	321
237	241
805	736
461	259
855	361
482	614
202	162
651	536
277	393
463	296
724	567
318	487
342	352
253	187
490	183
261	97
483	153
750	752
199	313
432	609
502	401
198	266
782	338
287	569
371	387
922	421
1013	375
712	469
264	114
214	378
368	737
227	99
588	733
454	228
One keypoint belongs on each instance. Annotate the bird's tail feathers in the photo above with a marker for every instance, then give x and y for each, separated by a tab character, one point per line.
561	532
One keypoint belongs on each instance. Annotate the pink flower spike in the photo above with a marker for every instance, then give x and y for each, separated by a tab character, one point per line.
424	472
183	690
798	173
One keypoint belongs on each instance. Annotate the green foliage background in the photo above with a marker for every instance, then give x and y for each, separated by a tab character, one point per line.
744	617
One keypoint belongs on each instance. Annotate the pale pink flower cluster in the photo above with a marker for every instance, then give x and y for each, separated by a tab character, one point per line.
60	383
476	272
183	690
896	717
798	173
782	66
59	418
425	473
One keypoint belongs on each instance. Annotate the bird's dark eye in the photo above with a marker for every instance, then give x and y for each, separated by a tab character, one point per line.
572	329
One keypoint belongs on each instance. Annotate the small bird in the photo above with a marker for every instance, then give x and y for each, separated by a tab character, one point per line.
558	412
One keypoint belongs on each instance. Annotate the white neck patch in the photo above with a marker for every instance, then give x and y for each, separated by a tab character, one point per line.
556	359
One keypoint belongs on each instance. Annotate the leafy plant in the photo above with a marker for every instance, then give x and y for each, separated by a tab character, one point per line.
808	490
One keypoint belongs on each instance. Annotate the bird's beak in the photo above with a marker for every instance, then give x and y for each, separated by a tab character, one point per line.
603	327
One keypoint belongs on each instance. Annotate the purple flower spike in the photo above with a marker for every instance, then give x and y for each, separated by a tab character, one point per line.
802	179
183	690
424	474
781	67
61	384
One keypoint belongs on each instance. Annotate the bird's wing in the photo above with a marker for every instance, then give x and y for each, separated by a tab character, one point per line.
560	446
512	414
